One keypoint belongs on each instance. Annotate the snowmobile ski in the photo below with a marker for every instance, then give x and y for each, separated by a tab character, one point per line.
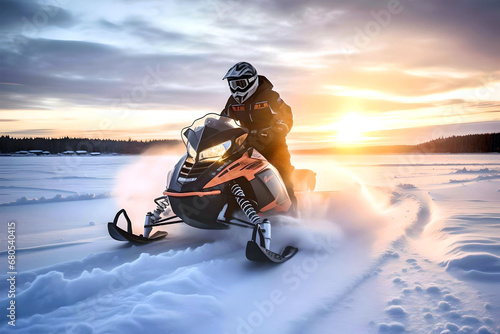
259	253
255	252
119	234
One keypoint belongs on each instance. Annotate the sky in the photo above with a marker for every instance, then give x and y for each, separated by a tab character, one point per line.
354	72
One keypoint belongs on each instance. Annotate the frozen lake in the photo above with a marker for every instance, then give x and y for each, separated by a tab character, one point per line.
407	242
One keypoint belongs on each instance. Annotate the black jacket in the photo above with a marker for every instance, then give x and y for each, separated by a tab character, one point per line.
262	110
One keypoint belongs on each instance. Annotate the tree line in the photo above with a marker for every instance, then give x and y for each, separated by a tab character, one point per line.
477	143
480	143
59	145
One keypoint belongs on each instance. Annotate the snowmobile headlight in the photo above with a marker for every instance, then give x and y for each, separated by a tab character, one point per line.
215	152
191	151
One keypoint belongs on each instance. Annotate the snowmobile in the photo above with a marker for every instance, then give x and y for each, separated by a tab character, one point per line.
219	183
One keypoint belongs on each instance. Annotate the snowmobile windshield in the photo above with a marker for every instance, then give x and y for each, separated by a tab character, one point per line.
210	136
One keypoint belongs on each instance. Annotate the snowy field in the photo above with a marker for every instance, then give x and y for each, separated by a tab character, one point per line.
387	244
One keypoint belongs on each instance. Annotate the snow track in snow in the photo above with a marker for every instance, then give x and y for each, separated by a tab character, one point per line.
353	282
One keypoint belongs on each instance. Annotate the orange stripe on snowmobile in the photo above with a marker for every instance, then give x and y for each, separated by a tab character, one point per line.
278	207
193	193
245	167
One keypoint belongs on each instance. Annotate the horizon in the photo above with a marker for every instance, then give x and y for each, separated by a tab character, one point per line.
355	74
342	149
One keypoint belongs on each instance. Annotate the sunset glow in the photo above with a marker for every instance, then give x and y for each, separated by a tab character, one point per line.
120	70
350	128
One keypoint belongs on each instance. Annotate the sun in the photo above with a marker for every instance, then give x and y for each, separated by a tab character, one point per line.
350	128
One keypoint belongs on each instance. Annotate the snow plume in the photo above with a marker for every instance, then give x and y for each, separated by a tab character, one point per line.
141	182
354	208
353	211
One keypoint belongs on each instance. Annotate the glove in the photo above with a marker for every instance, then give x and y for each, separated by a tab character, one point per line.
280	129
264	134
259	139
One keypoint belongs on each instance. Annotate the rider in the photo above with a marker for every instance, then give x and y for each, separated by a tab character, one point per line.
267	117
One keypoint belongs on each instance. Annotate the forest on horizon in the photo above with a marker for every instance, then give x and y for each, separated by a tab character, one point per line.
473	143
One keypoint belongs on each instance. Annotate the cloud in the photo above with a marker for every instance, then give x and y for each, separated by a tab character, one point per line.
149	32
397	82
460	34
107	25
474	23
84	56
329	108
29	16
275	34
31	132
88	73
418	135
456	34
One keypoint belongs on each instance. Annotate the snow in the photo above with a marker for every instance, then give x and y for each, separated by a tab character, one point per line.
395	311
57	198
387	244
393	327
406	186
476	171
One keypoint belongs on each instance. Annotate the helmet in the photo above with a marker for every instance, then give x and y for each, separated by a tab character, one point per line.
243	81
